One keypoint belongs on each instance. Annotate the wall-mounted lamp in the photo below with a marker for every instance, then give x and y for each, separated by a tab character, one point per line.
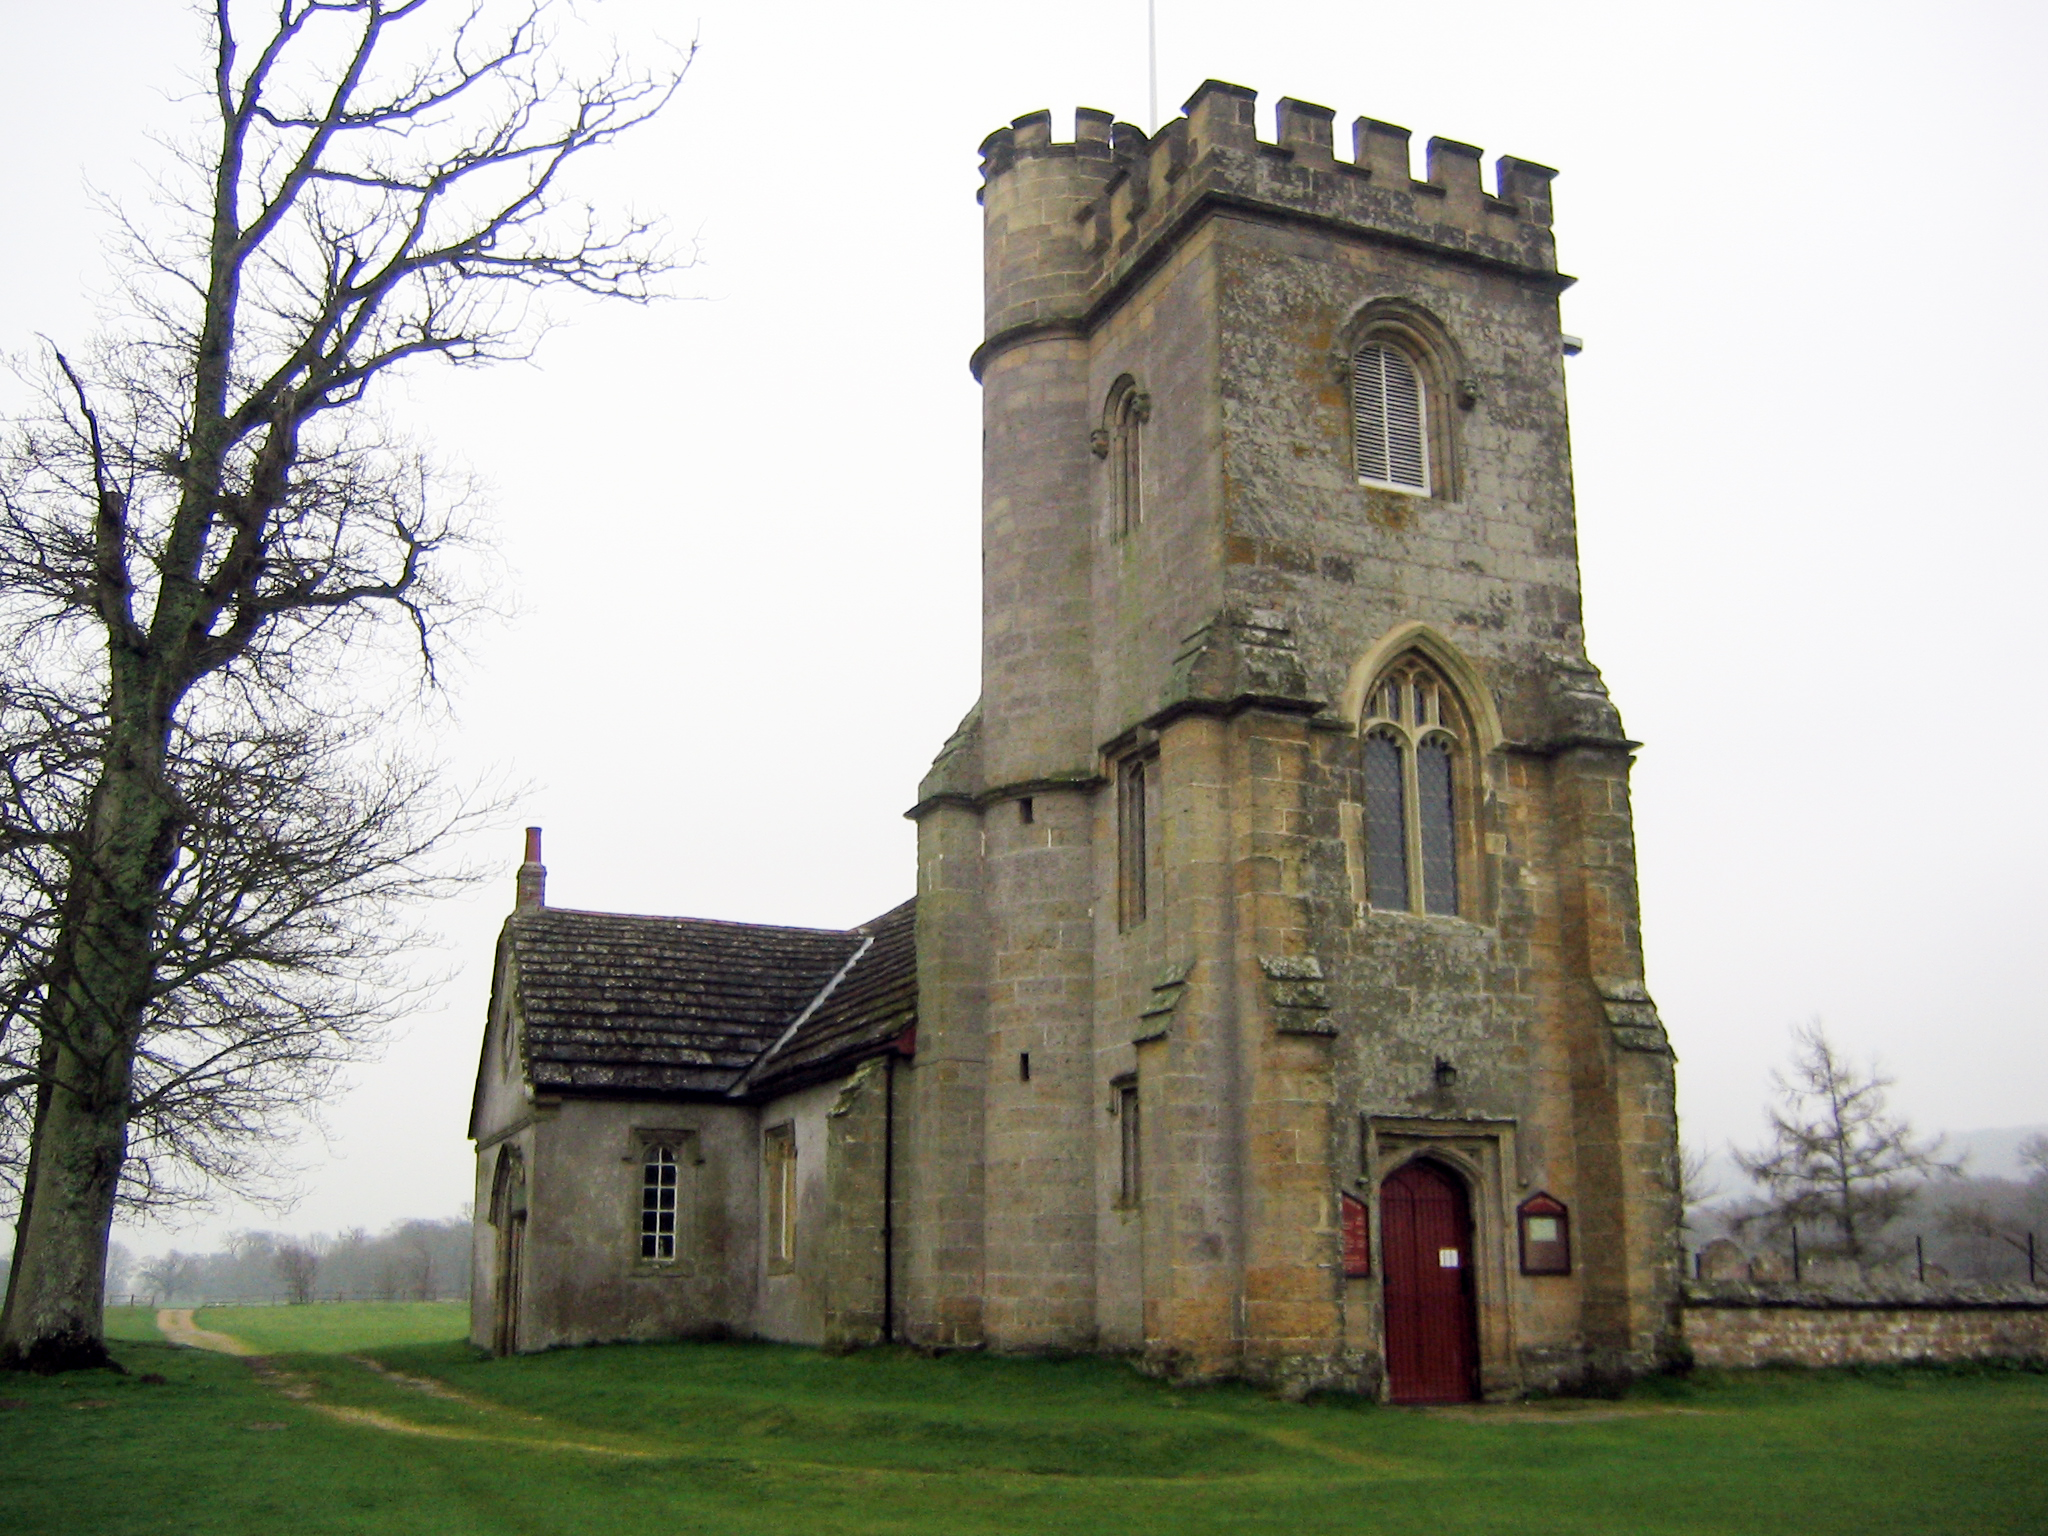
1446	1074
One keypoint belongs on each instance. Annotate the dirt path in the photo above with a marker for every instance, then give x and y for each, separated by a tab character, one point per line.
175	1324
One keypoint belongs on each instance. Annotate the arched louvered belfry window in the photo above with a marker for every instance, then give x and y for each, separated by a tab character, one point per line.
1414	734
1389	419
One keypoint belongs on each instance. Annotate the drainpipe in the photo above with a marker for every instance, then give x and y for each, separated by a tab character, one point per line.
889	1198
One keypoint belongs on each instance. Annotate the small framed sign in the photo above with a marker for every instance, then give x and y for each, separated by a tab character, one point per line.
1357	1239
1546	1231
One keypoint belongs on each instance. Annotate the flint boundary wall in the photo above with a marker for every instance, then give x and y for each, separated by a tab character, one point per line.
1740	1324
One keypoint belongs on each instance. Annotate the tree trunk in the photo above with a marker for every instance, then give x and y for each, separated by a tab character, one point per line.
56	1320
98	993
44	1061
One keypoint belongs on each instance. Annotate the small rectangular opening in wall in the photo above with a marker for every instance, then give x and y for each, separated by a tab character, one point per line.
1025	811
1023	1066
778	1147
1134	840
1130	1180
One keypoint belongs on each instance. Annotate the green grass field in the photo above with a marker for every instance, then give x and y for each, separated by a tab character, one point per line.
133	1324
337	1327
324	1327
749	1438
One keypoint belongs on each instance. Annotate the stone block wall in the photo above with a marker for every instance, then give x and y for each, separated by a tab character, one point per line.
1737	1325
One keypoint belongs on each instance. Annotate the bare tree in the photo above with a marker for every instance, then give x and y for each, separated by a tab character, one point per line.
298	1267
1697	1187
203	528
166	1275
275	929
2015	1216
120	1268
416	1246
1838	1159
2034	1158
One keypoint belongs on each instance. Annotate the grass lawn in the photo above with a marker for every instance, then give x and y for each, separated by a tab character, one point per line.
338	1327
741	1439
133	1324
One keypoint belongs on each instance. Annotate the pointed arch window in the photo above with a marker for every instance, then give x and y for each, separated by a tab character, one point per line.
1389	419
1120	442
1414	737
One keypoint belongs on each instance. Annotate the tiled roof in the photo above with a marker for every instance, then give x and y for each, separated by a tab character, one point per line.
874	1003
618	1004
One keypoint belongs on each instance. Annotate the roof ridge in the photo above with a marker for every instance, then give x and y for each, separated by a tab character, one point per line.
705	922
876	921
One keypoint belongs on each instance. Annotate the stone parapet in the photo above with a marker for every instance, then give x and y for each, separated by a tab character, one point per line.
1124	198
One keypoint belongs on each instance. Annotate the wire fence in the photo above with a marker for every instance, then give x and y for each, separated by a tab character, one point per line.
1796	1261
151	1299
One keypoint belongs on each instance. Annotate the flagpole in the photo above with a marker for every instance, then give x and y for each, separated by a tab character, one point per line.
1151	66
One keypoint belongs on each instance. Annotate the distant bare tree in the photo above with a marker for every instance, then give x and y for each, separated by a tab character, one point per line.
120	1267
2034	1157
203	529
1838	1160
1696	1185
166	1275
1998	1213
298	1267
415	1244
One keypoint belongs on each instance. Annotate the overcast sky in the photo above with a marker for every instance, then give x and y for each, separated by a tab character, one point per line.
741	532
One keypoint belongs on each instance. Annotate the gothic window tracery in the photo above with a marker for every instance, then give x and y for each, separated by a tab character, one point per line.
1414	735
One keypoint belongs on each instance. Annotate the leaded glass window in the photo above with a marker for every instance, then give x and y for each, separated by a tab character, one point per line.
1414	732
1386	821
658	1203
1437	812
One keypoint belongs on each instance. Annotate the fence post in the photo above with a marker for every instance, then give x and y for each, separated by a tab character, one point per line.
1920	1258
1795	1256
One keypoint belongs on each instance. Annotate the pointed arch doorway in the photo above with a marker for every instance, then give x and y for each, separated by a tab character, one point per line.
508	1214
1426	1248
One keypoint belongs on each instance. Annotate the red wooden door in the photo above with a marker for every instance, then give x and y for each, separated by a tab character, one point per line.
1426	1243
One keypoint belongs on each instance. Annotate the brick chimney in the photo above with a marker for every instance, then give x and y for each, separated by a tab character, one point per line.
533	875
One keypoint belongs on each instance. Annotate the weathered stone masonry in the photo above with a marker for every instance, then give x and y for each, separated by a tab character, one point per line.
1738	1325
1312	1043
1146	858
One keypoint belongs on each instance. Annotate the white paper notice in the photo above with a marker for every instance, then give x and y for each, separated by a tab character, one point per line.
1447	1258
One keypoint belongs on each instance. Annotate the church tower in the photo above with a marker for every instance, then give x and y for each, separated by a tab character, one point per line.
1281	1006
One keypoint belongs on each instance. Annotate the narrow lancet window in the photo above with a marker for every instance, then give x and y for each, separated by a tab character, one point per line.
1130	1181
1435	800
1386	822
1122	443
1133	839
658	1204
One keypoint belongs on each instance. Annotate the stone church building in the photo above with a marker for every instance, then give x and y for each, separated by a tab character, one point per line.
1271	1003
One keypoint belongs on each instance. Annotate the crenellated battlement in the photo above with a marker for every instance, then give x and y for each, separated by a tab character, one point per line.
1071	221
